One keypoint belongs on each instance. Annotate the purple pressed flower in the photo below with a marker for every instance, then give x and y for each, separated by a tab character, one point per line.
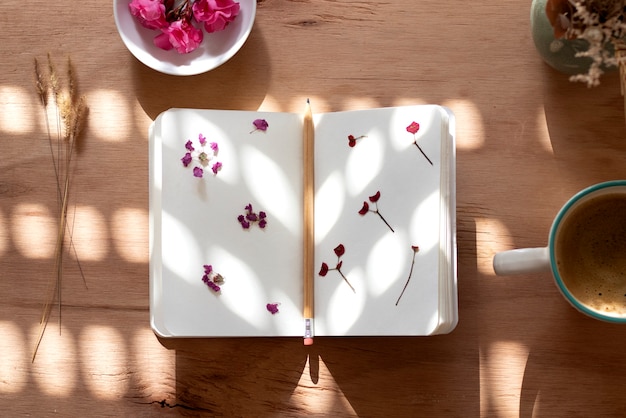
201	139
272	307
197	172
214	147
262	223
250	217
208	268
189	146
186	159
216	167
260	125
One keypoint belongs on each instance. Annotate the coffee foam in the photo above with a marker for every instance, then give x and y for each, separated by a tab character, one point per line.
591	253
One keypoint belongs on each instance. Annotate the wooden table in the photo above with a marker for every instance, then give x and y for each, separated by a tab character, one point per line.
527	140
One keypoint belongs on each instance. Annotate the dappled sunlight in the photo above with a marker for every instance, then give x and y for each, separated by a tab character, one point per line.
131	233
327	216
55	368
492	236
355	103
388	259
34	232
16	110
153	363
543	135
502	366
327	393
104	358
13	359
89	231
108	112
467	113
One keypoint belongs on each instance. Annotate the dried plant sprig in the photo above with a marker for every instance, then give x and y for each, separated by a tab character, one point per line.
69	113
599	22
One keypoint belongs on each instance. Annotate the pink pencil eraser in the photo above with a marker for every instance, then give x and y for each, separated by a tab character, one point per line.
308	341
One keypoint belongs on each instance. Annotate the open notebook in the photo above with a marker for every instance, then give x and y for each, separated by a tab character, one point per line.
365	156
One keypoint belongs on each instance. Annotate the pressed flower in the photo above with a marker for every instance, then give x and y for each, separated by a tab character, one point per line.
272	308
413	128
352	140
415	250
212	279
366	208
260	125
250	217
202	156
186	159
339	251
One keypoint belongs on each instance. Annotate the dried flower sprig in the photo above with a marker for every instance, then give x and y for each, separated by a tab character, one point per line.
366	208
602	23
65	115
415	250
339	252
413	128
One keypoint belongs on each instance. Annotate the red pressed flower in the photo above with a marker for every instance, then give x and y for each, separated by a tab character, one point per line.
352	140
339	250
364	209
323	270
413	127
375	197
338	266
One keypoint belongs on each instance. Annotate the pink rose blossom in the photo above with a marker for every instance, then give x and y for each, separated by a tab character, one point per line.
150	13
181	35
215	14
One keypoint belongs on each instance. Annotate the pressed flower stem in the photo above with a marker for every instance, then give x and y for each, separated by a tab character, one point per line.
345	279
408	279
384	220
423	153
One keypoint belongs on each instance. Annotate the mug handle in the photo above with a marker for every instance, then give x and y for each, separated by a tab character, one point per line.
522	260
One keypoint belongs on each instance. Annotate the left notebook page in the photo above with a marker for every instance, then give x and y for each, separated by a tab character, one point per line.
194	223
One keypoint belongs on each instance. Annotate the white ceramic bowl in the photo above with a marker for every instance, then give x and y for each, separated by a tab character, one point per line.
215	49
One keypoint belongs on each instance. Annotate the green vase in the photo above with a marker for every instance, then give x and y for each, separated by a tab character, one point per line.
560	54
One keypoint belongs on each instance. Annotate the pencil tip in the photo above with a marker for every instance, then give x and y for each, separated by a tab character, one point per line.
308	101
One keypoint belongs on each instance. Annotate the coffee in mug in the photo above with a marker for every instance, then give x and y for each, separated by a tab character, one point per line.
586	252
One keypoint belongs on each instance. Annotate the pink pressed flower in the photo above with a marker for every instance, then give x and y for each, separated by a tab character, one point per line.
215	14
413	127
202	140
260	125
186	159
189	146
272	308
149	13
197	172
214	147
216	167
181	35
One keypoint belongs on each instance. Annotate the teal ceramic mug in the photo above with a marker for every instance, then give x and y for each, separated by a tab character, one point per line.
586	252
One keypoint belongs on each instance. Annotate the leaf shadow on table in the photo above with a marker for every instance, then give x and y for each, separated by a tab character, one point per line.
418	375
238	376
250	66
586	126
580	374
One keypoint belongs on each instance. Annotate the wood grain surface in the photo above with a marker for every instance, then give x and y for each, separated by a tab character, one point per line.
527	140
